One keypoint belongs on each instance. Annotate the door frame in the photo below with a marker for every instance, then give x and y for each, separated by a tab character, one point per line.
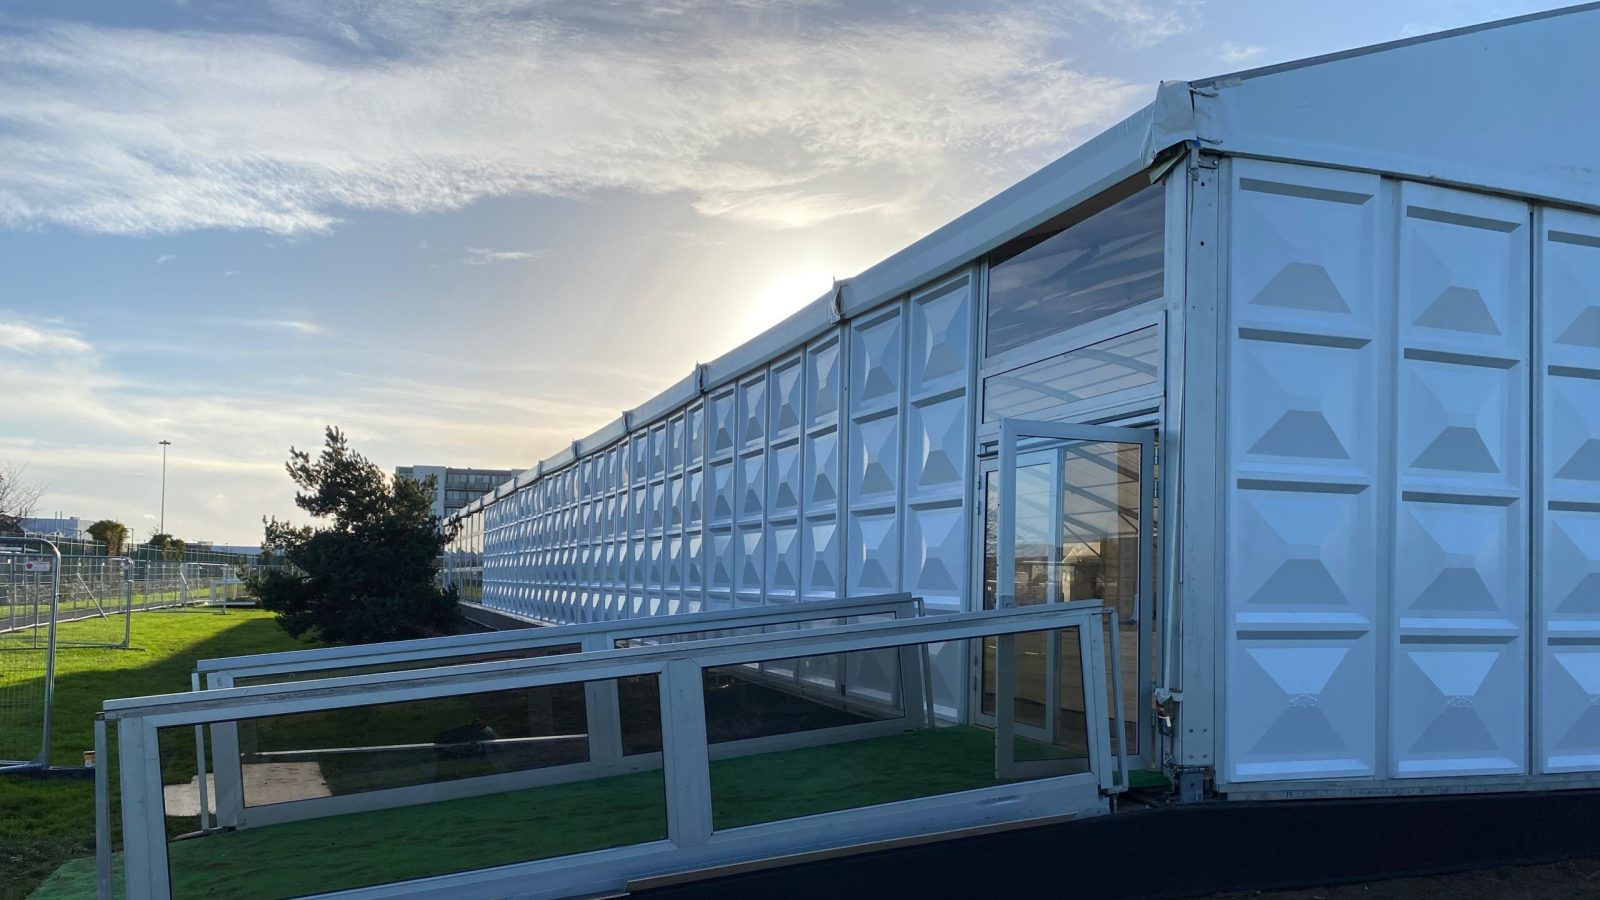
1010	431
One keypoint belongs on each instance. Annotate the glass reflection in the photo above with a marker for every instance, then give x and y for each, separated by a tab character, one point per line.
1046	284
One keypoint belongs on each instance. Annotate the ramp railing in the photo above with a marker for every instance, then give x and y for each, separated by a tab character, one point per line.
603	723
720	761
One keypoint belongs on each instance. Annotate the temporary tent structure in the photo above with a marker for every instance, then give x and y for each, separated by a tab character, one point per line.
1334	324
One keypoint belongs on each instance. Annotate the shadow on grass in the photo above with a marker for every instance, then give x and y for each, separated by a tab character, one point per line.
46	821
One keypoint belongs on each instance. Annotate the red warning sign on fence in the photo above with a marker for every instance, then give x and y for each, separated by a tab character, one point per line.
36	565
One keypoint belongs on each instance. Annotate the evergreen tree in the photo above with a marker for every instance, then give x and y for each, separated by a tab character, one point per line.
367	573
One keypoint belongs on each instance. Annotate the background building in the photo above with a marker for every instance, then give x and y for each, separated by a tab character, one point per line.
455	488
56	526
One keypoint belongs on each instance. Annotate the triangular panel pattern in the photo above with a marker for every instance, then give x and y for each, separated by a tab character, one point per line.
1456	588
1456	730
1457	448
1302	433
1459	309
1583	465
1584	330
1304	286
1584	600
1301	582
1301	731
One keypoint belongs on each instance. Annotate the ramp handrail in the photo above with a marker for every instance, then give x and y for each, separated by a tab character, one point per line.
423	650
691	840
604	723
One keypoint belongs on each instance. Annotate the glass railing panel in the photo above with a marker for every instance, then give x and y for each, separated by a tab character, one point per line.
376	794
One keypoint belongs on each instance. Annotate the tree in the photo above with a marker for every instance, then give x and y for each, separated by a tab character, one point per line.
111	533
166	546
367	573
17	498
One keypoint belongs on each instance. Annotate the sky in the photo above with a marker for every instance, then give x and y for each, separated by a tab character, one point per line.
468	233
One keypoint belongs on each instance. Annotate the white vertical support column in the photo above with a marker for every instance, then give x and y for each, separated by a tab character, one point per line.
1118	709
1097	733
1005	704
226	768
602	711
200	762
685	755
144	827
102	811
915	696
1190	682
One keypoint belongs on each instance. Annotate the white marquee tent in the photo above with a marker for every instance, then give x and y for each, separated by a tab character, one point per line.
1335	323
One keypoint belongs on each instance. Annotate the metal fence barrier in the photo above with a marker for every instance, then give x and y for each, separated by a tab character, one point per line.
695	712
30	591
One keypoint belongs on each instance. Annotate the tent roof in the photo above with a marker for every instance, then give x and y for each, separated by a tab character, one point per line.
1508	107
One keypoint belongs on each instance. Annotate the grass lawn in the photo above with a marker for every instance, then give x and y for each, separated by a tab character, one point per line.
44	822
458	835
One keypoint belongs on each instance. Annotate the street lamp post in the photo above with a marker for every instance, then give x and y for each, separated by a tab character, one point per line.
164	446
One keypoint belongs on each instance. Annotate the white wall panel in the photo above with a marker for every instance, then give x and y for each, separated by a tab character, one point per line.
785	481
877	399
1568	586
937	455
1303	483
1459	703
822	469
750	476
721	496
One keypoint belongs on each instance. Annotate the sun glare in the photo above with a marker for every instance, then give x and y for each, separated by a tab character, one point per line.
783	296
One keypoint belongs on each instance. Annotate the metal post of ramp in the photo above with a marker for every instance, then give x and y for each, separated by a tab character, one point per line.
102	811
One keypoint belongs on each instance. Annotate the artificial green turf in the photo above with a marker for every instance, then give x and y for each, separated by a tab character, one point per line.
538	823
44	822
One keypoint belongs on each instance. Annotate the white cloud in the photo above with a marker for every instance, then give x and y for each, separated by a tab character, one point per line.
299	326
17	335
165	258
482	256
1141	23
1236	54
287	132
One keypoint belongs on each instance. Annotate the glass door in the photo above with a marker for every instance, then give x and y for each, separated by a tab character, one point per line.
1069	513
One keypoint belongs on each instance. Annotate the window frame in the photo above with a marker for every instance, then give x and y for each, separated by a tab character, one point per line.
1079	214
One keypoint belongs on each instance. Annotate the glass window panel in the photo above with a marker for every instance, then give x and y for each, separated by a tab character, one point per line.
1125	362
798	737
1044	285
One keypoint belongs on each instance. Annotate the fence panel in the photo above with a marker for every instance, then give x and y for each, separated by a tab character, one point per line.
30	572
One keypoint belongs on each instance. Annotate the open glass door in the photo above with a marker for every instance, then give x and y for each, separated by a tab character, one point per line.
1072	509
